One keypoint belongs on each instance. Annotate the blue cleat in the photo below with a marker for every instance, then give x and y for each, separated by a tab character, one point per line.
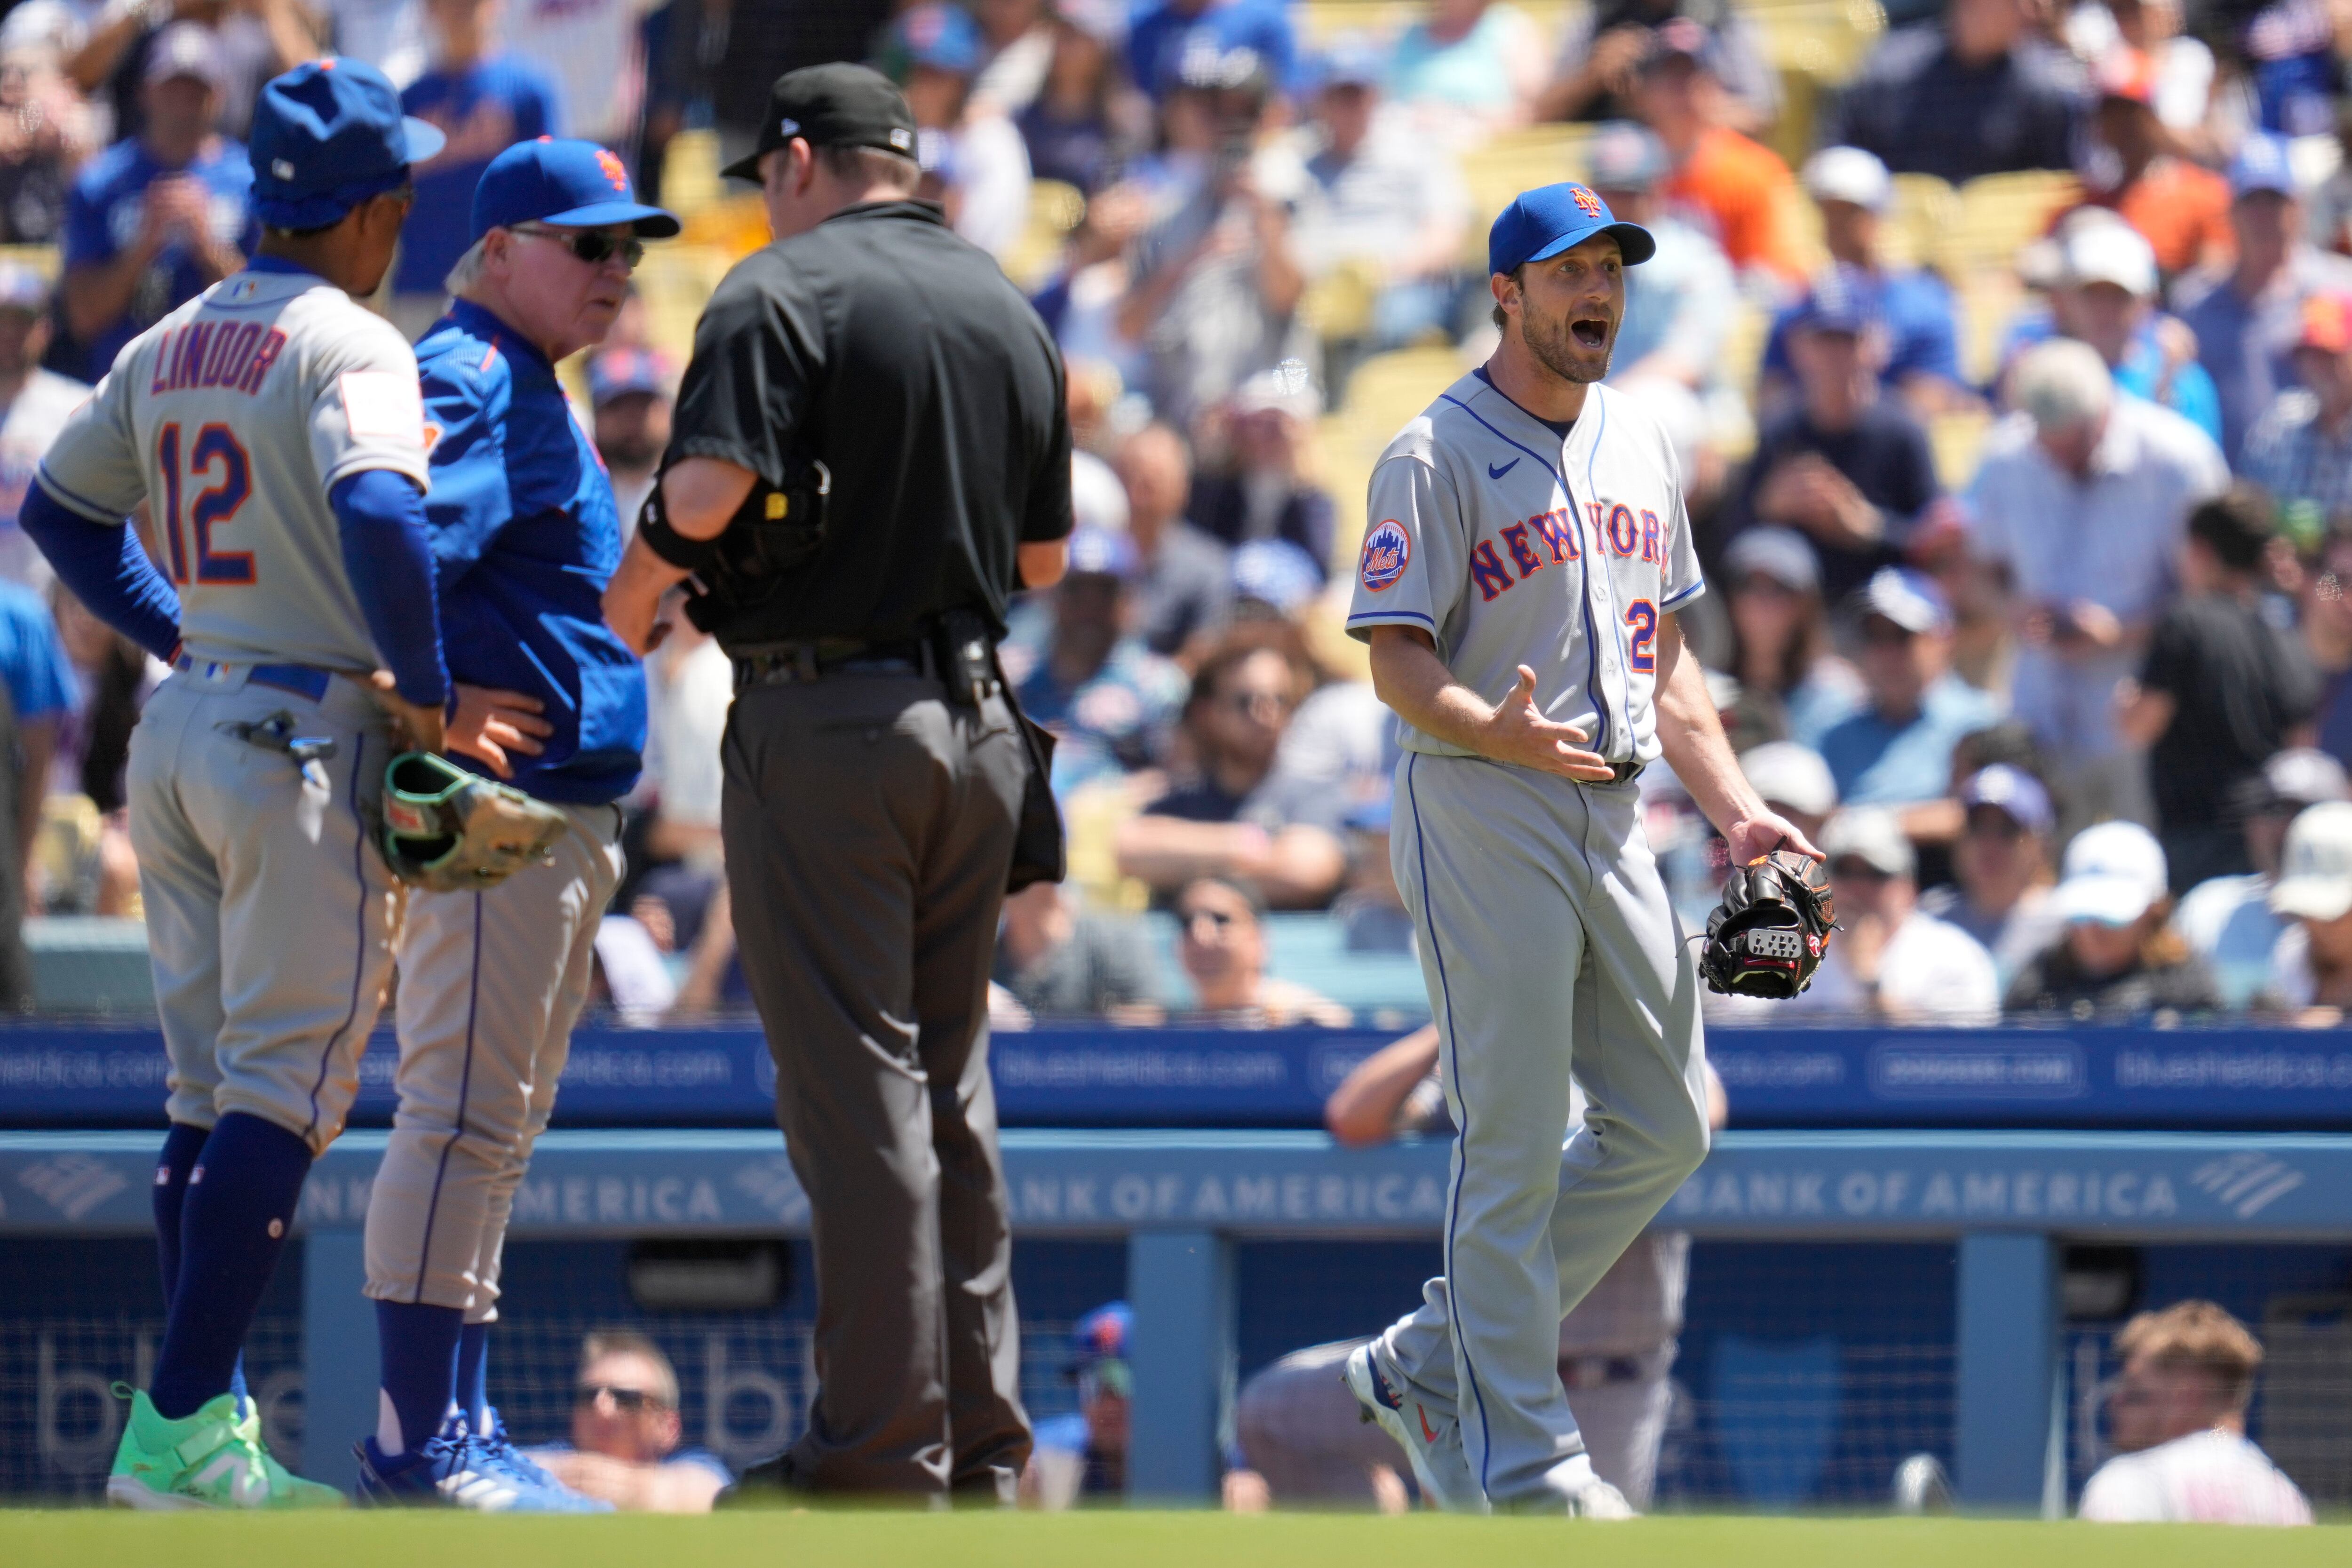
456	1470
495	1453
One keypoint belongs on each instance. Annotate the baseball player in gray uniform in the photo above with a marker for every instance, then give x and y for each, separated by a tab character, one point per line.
274	429
1525	552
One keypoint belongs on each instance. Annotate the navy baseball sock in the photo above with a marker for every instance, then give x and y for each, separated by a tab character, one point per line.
183	1146
420	1372
238	1206
474	1375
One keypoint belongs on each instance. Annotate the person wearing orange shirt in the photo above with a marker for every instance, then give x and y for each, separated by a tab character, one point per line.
2136	169
1739	185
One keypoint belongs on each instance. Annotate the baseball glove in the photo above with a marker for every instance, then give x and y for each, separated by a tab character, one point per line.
1772	929
447	830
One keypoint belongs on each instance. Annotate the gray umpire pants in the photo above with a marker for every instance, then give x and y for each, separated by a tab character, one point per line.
868	825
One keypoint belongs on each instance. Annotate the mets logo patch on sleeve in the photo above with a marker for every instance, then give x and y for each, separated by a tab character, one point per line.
1386	550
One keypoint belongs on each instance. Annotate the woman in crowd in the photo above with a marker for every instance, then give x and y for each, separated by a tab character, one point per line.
1780	634
2119	957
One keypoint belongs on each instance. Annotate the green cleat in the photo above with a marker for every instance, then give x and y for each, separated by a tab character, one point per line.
213	1458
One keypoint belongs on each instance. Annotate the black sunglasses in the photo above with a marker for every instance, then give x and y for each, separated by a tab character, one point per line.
592	246
632	1400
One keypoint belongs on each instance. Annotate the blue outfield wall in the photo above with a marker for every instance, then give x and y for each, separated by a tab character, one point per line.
90	1075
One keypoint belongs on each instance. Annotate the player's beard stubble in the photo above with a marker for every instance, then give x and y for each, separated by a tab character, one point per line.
1556	347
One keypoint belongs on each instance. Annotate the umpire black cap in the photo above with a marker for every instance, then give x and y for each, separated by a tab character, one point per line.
833	105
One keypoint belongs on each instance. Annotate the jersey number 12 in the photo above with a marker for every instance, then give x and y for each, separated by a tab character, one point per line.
188	533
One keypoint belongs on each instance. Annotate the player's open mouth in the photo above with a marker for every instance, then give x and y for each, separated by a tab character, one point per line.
1589	330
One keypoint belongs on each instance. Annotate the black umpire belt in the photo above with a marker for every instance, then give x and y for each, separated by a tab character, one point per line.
790	663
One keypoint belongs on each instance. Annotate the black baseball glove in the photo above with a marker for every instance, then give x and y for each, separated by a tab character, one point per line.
1772	929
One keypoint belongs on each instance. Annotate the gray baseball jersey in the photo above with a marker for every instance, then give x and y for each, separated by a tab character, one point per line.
1513	545
1551	952
233	418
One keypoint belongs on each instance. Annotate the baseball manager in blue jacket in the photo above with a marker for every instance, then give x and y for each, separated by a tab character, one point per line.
524	539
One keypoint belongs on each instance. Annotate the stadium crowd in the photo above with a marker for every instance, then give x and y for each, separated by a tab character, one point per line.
2029	554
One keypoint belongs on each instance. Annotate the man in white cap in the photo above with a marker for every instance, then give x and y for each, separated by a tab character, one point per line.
2117	959
2228	921
2311	968
1794	781
1891	961
2079	507
1852	192
2105	296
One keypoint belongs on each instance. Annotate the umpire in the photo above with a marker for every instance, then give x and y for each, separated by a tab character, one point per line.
871	453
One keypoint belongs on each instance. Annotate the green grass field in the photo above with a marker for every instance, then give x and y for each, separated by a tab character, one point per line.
93	1538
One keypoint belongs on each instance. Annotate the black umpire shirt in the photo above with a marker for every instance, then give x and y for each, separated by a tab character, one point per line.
899	355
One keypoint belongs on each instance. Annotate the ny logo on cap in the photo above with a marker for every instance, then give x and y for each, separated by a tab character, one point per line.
1586	202
615	172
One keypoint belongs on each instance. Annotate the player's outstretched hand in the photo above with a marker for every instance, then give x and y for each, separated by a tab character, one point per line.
489	723
417	728
1519	732
1752	838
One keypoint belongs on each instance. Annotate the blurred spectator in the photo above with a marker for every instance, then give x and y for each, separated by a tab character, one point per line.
2248	317
485	97
1780	634
2220	690
1060	962
2001	865
33	404
1161	33
1679	304
42	693
1890	960
2300	450
1274	579
2294	56
2077	512
387	33
1236	817
2228	921
1603	46
1268	494
1110	700
1215	286
1914	307
1898	750
1979	92
626	1445
153	222
1078	126
1380	202
1017	40
689	687
1741	186
2119	957
2178	1418
2311	964
2135	166
2105	295
974	162
2326	601
1793	781
1221	947
630	392
46	134
2180	69
1465	69
593	53
1182	582
83	862
1846	467
1083	1453
111	46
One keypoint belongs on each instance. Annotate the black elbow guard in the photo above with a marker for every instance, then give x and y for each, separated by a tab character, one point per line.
669	544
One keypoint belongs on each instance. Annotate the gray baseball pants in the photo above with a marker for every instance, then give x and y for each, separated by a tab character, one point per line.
491	984
1547	942
269	914
868	827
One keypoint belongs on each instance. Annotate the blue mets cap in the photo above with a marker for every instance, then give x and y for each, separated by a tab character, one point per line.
937	38
1097	551
1101	1335
619	371
2263	163
573	184
327	135
1541	224
1842	299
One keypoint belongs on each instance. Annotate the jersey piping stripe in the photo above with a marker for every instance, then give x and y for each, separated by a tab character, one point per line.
1377	617
1616	622
82	504
1686	592
1583	565
457	1127
1462	1137
359	955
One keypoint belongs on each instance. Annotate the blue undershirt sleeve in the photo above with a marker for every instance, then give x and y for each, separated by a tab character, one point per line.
107	570
389	556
